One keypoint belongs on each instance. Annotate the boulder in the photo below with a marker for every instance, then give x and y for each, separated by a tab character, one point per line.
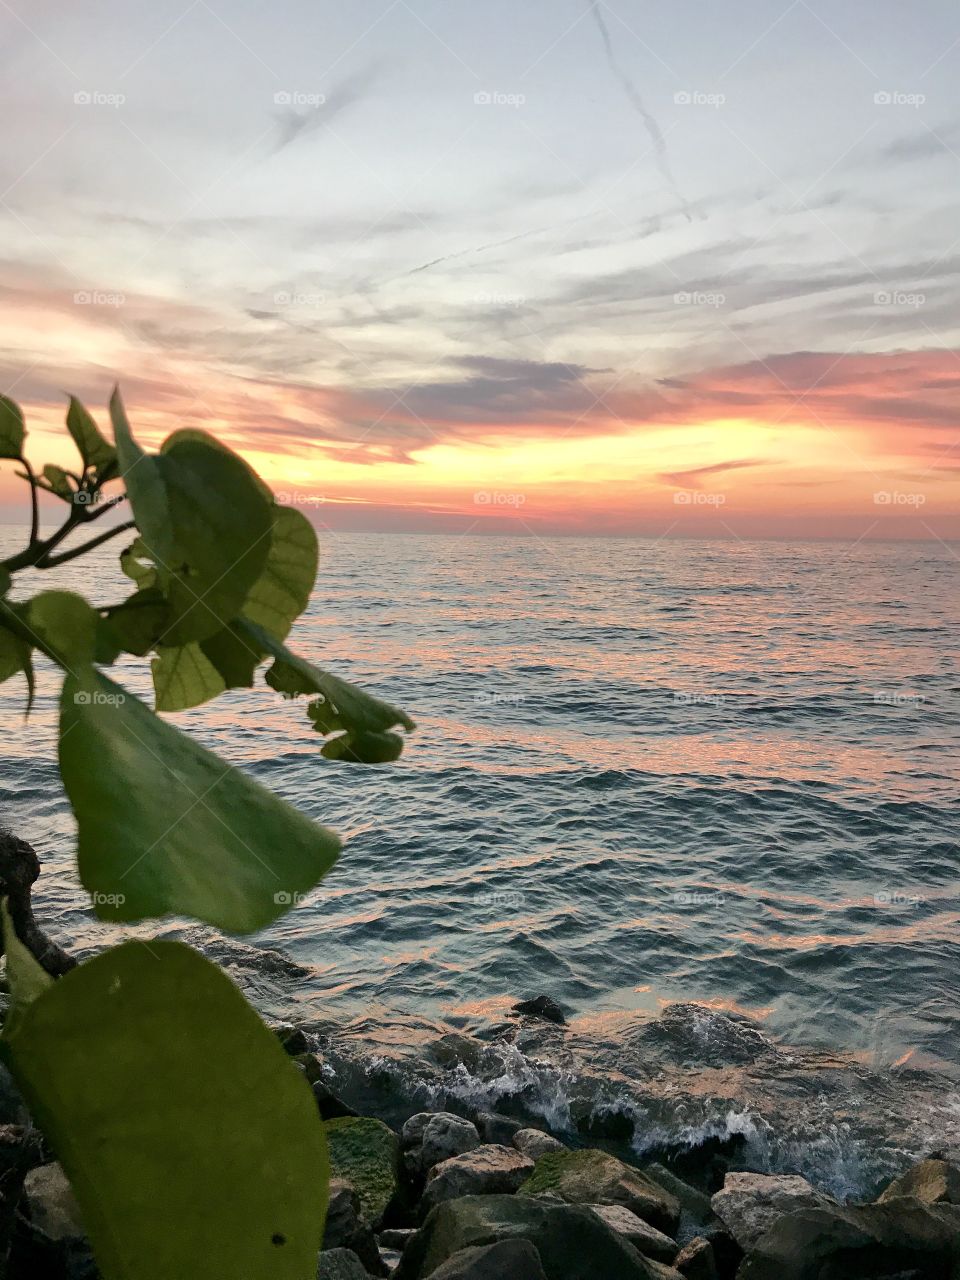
396	1237
294	1039
446	1135
694	1203
411	1135
595	1177
573	1243
329	1105
541	1007
486	1170
695	1261
365	1153
340	1264
932	1181
346	1229
750	1203
505	1260
650	1241
51	1203
535	1143
901	1237
497	1128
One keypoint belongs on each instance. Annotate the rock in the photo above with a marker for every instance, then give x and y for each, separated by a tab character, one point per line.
650	1241
411	1135
494	1127
541	1007
932	1181
505	1260
366	1153
396	1237
486	1170
329	1105
692	1202
573	1243
51	1203
903	1237
446	1135
695	1261
594	1177
390	1260
750	1203
535	1143
294	1039
340	1264
13	1109
346	1229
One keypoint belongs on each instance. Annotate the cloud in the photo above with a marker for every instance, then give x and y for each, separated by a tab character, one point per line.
691	477
293	124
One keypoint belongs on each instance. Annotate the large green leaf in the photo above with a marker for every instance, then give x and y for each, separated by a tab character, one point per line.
26	976
192	1142
282	592
205	521
138	624
56	480
165	826
94	449
12	430
184	677
63	625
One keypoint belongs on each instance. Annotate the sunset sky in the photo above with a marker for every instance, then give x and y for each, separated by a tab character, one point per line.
661	268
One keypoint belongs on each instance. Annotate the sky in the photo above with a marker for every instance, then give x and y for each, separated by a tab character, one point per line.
652	267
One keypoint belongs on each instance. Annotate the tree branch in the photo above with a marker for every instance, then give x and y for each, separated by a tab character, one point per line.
34	500
51	562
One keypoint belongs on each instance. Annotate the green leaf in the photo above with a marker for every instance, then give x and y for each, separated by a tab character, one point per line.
63	625
204	520
12	430
184	677
168	827
136	563
366	720
94	449
5	581
191	1141
137	625
282	593
233	654
58	482
27	977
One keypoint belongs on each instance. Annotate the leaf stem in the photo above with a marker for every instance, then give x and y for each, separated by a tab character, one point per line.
51	562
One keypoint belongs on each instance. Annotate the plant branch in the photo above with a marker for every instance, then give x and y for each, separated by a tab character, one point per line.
34	500
51	562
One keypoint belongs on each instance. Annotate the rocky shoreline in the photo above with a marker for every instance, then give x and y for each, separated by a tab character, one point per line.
485	1196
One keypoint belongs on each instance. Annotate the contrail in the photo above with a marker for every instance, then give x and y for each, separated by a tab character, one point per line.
633	94
294	124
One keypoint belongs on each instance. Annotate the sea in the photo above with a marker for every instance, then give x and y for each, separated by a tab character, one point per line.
704	794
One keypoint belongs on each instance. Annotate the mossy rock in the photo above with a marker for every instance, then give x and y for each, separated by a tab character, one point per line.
596	1177
366	1153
